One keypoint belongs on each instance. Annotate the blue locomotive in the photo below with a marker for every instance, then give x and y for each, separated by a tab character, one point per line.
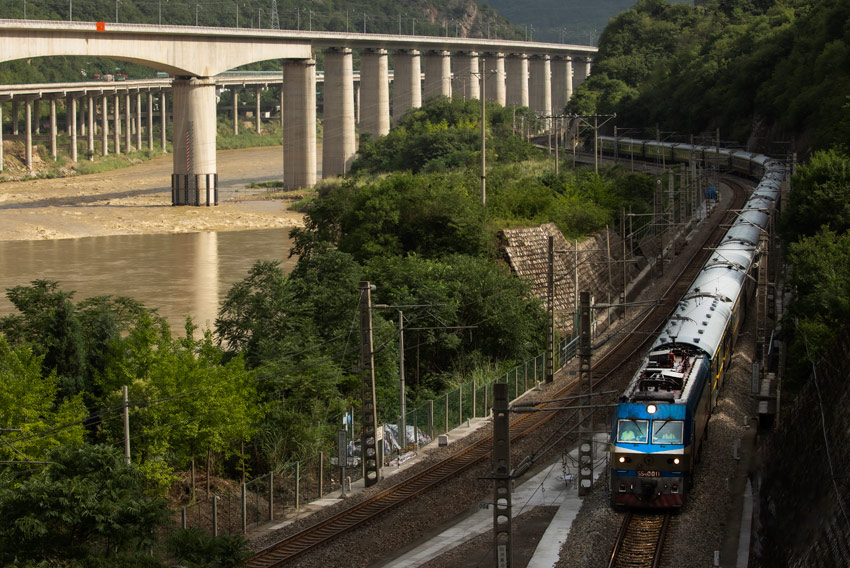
661	421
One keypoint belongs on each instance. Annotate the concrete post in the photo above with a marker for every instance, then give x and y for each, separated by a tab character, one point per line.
235	91
257	113
150	121
540	88
357	99
466	79
516	65
82	122
587	64
72	107
438	74
1	133
374	80
580	68
36	111
493	68
90	131
139	120
116	126
53	127
15	116
407	83
163	115
299	123
104	124
339	142
194	181
128	123
28	141
569	78
559	84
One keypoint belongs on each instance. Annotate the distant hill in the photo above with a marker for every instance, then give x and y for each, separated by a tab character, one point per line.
567	21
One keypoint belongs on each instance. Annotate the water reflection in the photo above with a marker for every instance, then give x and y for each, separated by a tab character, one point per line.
182	274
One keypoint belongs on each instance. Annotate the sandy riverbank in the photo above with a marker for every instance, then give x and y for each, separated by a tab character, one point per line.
137	200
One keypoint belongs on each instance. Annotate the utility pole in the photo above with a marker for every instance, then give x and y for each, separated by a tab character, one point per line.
126	406
368	430
402	398
596	126
501	476
483	132
549	363
585	452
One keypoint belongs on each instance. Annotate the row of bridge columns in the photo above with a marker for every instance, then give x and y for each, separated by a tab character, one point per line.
540	82
81	109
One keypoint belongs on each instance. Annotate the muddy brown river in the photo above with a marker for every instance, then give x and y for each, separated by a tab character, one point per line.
116	233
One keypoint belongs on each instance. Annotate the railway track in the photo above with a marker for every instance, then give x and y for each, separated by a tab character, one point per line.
349	519
640	541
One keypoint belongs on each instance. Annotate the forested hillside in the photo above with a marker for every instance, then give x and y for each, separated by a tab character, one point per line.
772	75
463	18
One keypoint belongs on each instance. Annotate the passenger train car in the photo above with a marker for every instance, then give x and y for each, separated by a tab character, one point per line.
745	163
661	421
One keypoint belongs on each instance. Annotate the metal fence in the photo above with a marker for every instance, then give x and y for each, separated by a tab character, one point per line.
281	494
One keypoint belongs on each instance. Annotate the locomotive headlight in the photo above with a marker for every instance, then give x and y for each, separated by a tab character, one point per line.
676	461
622	459
651	408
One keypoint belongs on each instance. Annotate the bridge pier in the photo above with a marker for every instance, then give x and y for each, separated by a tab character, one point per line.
299	123
581	69
438	74
90	130
517	70
194	181
116	123
493	69
562	83
3	99
466	76
104	125
407	82
339	139
375	94
540	88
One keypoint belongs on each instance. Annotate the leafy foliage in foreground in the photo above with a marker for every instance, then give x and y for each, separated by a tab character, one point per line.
86	503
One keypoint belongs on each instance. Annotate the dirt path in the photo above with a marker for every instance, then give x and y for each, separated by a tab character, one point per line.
137	199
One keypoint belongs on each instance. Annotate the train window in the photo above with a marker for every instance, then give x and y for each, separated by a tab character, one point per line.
667	431
634	431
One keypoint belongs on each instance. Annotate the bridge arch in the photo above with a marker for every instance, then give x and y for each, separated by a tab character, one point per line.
176	50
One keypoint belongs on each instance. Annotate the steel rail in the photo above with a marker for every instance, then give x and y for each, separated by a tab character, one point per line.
640	541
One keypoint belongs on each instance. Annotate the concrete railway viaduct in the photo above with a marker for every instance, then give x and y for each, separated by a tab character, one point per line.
538	75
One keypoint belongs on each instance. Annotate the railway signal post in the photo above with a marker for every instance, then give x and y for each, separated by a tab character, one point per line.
585	448
368	431
501	476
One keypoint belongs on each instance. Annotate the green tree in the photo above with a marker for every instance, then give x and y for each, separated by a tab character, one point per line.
820	196
31	404
87	504
821	306
185	401
48	321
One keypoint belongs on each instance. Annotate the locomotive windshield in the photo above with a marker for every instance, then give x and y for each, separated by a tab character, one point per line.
634	431
667	431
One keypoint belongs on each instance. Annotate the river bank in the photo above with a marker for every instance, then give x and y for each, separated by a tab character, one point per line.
137	200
